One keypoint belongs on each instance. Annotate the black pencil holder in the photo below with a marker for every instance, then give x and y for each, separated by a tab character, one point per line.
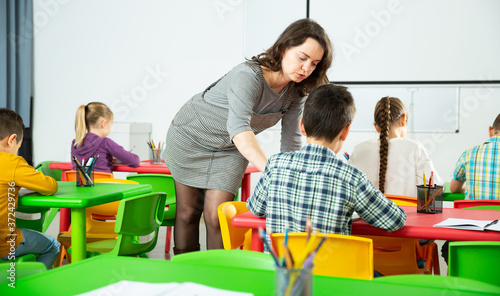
429	199
85	177
293	282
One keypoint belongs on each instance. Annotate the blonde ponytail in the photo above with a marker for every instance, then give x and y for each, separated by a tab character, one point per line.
87	116
80	126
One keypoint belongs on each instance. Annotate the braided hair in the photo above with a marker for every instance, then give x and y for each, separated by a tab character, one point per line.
387	111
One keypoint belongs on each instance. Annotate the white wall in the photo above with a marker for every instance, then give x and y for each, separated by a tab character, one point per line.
144	59
108	51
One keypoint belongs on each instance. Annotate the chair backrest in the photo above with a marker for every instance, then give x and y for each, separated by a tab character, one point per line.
229	258
31	217
401	200
96	216
491	208
56	174
395	255
160	183
233	237
340	255
21	270
71	175
138	216
475	260
460	204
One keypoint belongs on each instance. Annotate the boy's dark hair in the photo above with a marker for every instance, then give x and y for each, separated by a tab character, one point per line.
11	123
496	124
328	109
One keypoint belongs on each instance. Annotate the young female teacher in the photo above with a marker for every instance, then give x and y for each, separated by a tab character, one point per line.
212	137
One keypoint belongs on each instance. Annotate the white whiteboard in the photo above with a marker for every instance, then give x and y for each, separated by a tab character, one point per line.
430	109
424	40
265	20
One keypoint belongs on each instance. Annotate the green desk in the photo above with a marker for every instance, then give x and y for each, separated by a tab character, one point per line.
78	199
104	270
449	196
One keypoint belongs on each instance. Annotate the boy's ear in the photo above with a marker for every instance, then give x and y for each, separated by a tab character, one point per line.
491	131
302	129
11	140
345	132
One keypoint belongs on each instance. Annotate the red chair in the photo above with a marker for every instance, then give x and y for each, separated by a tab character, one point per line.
467	203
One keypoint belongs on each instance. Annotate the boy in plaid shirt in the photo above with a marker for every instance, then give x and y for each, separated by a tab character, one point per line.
314	182
478	168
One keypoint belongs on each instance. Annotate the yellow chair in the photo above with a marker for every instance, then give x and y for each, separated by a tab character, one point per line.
100	223
427	251
395	255
339	256
71	175
401	200
233	237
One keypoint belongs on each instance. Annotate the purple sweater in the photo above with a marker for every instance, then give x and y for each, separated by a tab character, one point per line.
106	148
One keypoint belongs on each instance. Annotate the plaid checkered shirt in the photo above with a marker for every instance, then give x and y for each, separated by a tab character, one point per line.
314	182
479	167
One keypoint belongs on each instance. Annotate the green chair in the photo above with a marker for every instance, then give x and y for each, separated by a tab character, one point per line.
467	286
56	174
137	218
161	183
38	218
229	258
20	270
475	260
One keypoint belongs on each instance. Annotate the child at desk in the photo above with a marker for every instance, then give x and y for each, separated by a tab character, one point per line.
476	172
92	127
15	173
314	182
478	168
394	164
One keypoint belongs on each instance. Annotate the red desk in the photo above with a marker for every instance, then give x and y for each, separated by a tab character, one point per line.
418	225
145	168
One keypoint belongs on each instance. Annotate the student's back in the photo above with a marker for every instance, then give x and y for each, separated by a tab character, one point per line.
92	127
394	164
15	173
477	171
314	182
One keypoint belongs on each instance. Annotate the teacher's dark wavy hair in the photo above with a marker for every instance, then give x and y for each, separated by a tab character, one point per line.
295	35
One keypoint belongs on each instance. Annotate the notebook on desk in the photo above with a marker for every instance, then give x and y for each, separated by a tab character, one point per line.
166	289
469	224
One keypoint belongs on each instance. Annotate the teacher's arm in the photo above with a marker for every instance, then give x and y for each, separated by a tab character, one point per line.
249	147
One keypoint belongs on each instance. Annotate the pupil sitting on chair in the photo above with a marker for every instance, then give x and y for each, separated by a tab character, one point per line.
15	173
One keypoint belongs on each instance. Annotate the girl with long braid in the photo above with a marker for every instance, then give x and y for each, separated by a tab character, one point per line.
394	164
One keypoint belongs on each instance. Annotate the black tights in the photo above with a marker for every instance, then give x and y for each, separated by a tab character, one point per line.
191	203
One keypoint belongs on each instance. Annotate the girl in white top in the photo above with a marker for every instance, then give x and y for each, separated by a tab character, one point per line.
394	165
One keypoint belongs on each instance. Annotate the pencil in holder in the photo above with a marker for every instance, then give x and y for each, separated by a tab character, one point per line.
429	199
84	176
291	281
155	155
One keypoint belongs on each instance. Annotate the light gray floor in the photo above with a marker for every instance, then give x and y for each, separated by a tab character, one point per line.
159	250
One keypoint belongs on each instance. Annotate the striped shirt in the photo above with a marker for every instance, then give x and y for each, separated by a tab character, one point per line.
314	182
479	166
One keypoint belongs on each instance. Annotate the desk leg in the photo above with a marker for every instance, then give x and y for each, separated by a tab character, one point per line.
78	235
64	215
245	187
256	242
